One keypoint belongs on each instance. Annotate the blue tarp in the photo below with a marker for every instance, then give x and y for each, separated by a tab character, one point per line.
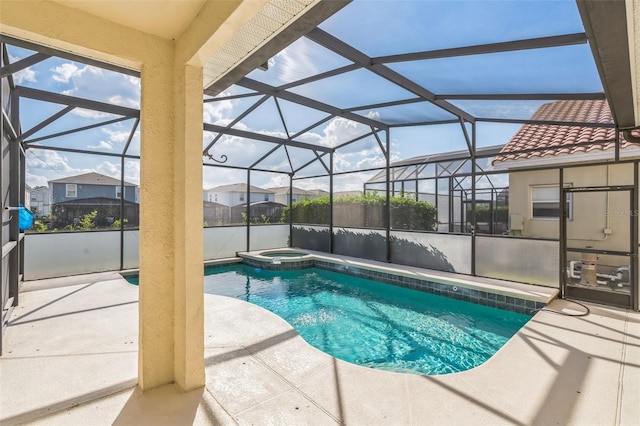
25	218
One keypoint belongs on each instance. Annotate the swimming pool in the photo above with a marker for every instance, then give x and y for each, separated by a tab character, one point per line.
370	323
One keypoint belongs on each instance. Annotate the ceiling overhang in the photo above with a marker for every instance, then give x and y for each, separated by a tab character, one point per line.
256	30
614	51
262	37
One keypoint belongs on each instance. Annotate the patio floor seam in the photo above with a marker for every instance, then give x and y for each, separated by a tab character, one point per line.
293	386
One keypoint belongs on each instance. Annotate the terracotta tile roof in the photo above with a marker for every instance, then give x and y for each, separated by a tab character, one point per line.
553	140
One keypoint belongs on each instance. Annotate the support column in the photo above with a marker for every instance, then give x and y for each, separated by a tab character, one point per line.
188	217
171	346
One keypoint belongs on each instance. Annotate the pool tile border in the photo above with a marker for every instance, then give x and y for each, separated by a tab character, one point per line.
451	290
507	303
285	265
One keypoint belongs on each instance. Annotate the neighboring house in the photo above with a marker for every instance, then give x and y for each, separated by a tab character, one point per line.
90	185
236	194
39	200
27	196
298	194
74	196
534	195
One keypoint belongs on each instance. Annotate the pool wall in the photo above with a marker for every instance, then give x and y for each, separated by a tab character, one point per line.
454	290
286	263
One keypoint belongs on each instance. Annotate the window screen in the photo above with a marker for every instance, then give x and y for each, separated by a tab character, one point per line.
545	202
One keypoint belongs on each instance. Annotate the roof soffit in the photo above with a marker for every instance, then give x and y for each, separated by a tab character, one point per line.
167	19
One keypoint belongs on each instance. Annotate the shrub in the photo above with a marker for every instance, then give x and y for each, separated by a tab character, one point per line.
39	227
87	222
116	223
367	210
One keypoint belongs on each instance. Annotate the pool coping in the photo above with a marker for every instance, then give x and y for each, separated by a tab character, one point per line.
507	295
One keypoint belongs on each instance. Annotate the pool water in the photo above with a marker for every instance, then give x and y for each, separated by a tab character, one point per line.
373	324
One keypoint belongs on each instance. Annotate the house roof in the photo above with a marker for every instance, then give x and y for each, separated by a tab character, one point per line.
240	187
95	201
299	191
91	179
544	140
285	190
258	204
213	204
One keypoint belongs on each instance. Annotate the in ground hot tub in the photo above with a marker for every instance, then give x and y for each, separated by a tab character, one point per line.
284	253
282	258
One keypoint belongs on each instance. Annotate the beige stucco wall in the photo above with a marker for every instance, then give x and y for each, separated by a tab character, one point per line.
592	212
520	202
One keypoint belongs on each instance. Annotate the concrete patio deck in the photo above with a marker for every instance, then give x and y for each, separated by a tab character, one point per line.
71	359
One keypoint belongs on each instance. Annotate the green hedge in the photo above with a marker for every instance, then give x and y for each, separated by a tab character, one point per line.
369	211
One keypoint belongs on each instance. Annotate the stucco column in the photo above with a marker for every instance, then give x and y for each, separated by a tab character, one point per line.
171	346
188	231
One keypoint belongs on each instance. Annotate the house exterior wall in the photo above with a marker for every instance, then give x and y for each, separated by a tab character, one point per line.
59	192
283	198
234	198
520	184
218	197
40	202
27	197
592	212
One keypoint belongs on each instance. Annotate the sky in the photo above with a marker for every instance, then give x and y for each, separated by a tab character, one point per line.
377	28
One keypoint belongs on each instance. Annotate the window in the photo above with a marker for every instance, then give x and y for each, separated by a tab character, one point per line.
545	202
72	190
118	192
266	197
242	197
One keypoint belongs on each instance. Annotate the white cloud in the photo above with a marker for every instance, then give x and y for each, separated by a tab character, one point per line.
47	160
87	113
98	84
109	169
339	130
117	136
277	181
371	162
217	112
101	145
295	62
64	72
35	180
24	75
215	176
132	172
124	101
